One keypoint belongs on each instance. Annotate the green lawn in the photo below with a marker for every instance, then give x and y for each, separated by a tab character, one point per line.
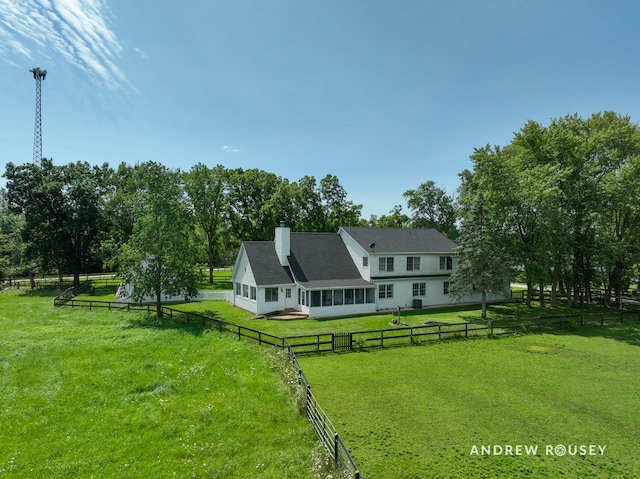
115	394
417	412
452	314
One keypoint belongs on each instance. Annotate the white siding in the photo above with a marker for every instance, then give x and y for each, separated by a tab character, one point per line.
357	253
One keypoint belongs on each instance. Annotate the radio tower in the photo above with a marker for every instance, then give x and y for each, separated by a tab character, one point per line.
38	76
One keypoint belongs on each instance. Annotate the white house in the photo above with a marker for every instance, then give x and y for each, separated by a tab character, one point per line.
354	271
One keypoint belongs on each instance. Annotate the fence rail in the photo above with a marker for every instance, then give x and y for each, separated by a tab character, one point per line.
349	341
323	426
321	423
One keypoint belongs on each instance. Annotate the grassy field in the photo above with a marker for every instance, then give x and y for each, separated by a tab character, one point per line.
109	394
418	412
452	314
455	314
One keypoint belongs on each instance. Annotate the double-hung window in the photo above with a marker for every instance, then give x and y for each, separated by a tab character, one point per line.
385	264
385	291
419	289
413	263
446	262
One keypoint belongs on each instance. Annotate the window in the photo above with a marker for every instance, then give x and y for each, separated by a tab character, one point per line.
315	299
327	297
348	296
287	293
371	295
359	296
445	288
238	289
338	297
245	290
419	289
271	295
446	262
365	262
385	291
303	297
253	293
413	263
386	264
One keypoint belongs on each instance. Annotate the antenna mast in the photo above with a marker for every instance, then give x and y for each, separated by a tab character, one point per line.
38	76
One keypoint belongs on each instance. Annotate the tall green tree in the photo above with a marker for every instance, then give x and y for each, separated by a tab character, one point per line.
160	255
206	188
432	208
11	244
120	188
249	213
563	197
337	209
395	219
482	264
62	206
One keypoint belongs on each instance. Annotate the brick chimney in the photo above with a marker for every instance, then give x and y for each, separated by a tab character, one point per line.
283	243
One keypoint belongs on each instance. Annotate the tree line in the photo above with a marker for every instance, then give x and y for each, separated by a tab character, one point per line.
556	207
560	205
76	218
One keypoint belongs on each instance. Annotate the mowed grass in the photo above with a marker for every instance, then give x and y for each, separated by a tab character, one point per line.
115	394
370	322
417	412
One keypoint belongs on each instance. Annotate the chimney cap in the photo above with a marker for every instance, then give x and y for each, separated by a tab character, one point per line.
282	224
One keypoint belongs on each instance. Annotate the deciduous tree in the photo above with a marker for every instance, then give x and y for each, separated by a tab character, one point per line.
432	208
206	188
160	255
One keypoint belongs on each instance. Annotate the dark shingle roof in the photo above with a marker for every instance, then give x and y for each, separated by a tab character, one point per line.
321	260
401	240
265	264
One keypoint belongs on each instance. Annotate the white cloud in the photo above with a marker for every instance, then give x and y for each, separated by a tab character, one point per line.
229	149
144	55
76	29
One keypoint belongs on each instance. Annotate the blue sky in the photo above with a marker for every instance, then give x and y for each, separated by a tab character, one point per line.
383	94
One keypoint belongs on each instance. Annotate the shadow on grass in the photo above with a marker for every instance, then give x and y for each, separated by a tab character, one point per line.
42	292
626	332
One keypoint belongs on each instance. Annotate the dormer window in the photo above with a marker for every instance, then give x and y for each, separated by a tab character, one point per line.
365	262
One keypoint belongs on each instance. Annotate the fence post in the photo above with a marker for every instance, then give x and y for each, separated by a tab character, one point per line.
336	456
308	405
466	330
439	332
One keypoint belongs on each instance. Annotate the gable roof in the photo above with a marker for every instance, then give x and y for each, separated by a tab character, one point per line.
400	240
321	260
265	264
